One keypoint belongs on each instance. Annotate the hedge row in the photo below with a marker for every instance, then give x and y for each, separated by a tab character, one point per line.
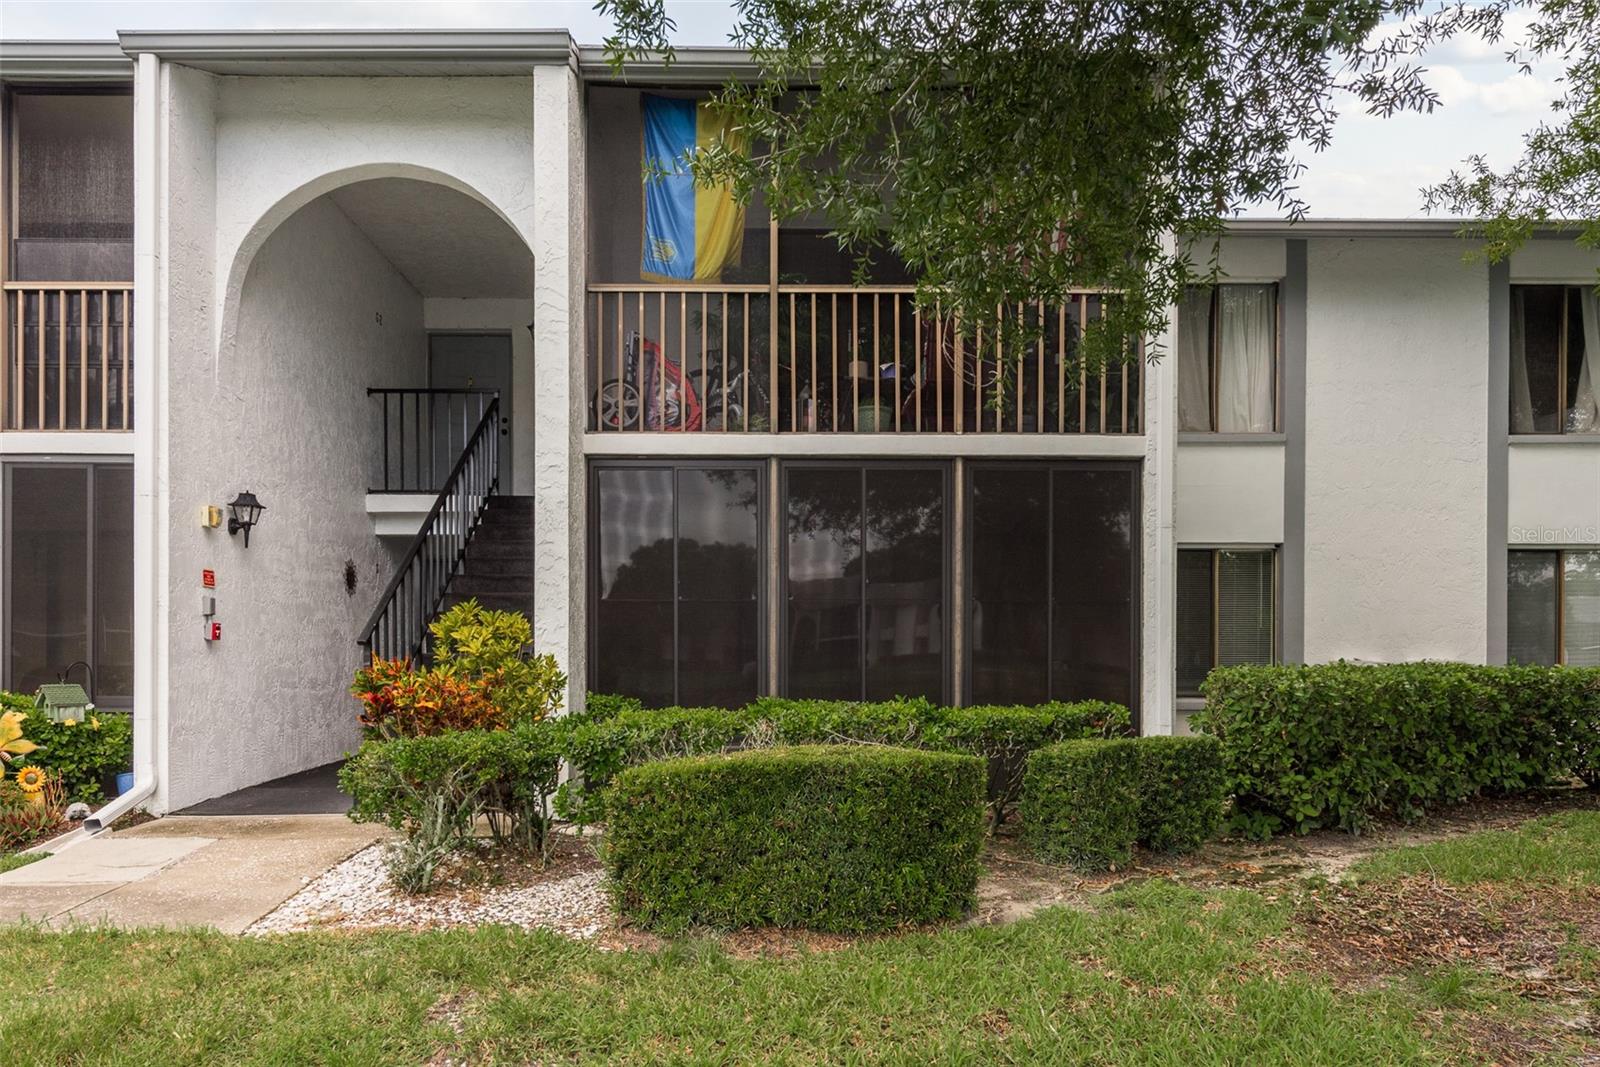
601	745
1089	802
838	838
1337	744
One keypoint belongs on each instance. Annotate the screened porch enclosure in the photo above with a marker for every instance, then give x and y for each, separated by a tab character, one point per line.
713	582
787	332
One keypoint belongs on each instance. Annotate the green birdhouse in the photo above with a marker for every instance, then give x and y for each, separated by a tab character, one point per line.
63	700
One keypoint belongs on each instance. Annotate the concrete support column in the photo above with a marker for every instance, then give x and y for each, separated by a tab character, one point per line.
1292	295
1159	546
1499	462
559	478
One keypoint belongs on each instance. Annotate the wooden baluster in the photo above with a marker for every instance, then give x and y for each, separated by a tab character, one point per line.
899	367
918	379
855	361
749	368
811	416
723	389
877	368
127	357
1083	369
1061	367
683	361
833	379
661	365
794	397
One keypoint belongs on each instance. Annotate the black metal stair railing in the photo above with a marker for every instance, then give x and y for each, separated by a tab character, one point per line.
423	432
398	628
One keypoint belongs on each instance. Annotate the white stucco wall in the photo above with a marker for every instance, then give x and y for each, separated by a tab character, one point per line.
1554	493
323	315
283	141
1396	446
1230	494
510	317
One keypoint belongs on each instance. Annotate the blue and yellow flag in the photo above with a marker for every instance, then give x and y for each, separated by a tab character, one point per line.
690	232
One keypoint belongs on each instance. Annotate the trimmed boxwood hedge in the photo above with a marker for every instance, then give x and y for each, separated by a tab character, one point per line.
1080	802
1338	744
598	747
1181	792
844	838
1089	802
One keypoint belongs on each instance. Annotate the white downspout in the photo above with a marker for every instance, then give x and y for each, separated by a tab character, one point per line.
148	708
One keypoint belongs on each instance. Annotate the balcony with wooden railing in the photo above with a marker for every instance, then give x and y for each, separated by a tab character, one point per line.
68	356
842	359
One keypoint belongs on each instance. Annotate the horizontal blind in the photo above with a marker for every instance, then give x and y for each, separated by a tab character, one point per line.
1244	607
1580	609
1531	606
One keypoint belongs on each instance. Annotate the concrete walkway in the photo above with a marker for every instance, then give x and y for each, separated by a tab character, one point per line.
217	871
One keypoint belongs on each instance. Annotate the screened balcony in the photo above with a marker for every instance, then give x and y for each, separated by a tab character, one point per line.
785	332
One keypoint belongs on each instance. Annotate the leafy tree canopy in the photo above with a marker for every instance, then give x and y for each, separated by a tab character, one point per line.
1556	182
1016	151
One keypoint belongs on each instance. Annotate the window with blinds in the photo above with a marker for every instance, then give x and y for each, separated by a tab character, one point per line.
1226	611
1553	606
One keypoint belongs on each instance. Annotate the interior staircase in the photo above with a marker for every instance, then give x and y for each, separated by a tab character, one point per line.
498	567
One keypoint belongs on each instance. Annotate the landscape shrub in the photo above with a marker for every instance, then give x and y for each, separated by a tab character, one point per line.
1339	744
599	750
1001	736
842	838
606	705
1080	801
79	753
1181	792
434	789
482	678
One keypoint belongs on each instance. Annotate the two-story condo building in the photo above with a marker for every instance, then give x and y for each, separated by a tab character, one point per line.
400	287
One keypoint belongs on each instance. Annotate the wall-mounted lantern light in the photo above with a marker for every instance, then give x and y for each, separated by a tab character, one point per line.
244	511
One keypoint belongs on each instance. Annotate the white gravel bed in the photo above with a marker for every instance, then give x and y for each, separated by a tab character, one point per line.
356	893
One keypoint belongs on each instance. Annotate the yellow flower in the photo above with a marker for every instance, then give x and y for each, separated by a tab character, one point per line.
69	722
94	723
11	740
31	779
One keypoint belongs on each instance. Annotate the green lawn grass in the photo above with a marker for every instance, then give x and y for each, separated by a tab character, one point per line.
10	861
1562	849
1155	973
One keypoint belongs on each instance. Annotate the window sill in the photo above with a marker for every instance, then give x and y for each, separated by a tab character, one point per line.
1552	438
1194	437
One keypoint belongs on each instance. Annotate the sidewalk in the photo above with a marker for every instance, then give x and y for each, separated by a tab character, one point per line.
217	871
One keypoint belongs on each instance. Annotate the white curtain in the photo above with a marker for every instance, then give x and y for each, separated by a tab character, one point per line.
1585	414
1521	394
1244	358
1194	360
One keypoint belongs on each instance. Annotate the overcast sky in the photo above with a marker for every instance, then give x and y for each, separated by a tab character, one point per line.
1373	169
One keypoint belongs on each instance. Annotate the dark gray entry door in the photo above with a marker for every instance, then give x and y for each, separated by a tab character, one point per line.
476	361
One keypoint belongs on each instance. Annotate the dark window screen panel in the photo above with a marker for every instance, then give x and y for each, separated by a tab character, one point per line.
1194	359
1531	606
824	583
1196	640
113	586
905	619
634	570
47	561
1008	615
718	586
74	187
1536	374
1244	608
1092	578
1580	608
